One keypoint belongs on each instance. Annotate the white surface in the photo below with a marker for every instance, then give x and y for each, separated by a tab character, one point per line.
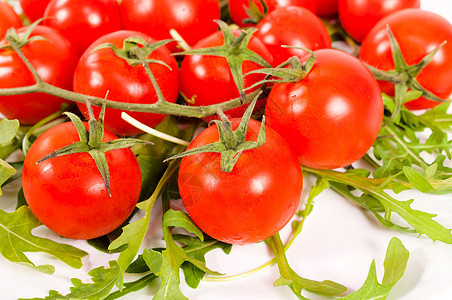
339	242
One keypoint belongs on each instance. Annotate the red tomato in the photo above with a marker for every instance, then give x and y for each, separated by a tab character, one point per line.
8	18
34	9
83	21
68	194
418	32
54	59
193	19
332	117
251	203
358	17
238	12
208	79
292	26
326	8
102	71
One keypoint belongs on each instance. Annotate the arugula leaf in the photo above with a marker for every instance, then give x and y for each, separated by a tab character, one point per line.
395	264
15	233
134	286
103	280
129	242
403	152
167	263
6	171
197	249
8	130
295	282
373	192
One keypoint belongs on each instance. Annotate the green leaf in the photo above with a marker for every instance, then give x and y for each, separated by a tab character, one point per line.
15	233
395	264
134	286
421	222
6	171
197	249
176	218
129	242
153	259
418	180
103	281
8	141
174	256
8	130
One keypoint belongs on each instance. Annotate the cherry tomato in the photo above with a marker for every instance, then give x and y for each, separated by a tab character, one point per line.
8	18
192	19
238	12
292	26
68	194
418	32
326	8
332	117
251	203
34	9
358	17
101	71
83	21
208	80
53	58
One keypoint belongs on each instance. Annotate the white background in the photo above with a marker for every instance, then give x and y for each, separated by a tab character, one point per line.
339	242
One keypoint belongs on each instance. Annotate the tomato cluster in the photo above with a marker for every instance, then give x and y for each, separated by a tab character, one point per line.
323	107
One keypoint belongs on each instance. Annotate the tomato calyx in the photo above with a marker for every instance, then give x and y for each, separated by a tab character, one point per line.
404	76
235	51
232	143
254	13
21	41
135	50
296	71
91	143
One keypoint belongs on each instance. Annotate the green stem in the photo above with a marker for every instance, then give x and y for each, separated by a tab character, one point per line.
167	108
278	249
158	91
16	48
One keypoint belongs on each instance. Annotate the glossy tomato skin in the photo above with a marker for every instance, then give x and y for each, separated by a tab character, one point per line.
83	21
8	18
68	194
326	8
292	26
193	19
332	117
418	32
251	203
34	9
238	12
208	80
358	17
54	59
101	71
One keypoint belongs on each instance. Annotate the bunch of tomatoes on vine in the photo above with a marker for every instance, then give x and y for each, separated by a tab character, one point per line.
273	90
